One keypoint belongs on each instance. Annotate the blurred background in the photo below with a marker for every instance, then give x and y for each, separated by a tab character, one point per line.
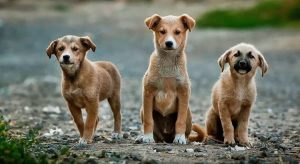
30	82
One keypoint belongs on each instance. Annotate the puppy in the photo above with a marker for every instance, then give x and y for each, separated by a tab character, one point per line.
86	83
165	112
233	96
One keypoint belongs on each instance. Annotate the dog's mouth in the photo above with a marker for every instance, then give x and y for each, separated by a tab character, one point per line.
69	64
169	49
242	70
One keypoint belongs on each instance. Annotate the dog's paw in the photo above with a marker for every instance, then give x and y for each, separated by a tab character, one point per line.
148	138
116	136
245	143
229	141
180	139
82	143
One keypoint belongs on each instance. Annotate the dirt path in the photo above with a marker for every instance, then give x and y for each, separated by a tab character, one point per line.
30	90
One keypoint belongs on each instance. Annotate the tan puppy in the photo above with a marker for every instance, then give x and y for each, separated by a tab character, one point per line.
233	95
166	86
85	83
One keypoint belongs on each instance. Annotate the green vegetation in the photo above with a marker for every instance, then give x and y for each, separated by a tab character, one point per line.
17	149
276	13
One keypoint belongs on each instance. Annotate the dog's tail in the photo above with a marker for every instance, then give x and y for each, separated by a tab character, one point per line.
201	134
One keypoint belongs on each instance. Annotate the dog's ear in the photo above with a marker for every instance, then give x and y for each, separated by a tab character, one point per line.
223	59
152	21
262	64
188	21
88	43
51	48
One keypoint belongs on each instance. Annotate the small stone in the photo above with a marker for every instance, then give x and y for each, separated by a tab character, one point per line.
198	150
163	149
91	160
274	139
189	150
136	156
126	135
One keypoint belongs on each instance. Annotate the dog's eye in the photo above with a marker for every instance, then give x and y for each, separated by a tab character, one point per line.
177	32
61	48
74	48
250	55
162	32
237	54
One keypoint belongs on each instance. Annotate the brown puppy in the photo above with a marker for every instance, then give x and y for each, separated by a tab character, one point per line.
166	86
233	96
85	83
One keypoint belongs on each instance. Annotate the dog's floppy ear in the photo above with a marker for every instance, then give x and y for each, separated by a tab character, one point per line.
51	48
223	59
87	42
188	21
152	21
262	64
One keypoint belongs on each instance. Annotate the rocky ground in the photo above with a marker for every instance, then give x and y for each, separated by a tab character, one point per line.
30	91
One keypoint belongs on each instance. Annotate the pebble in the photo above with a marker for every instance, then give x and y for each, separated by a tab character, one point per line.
91	160
136	156
163	149
189	150
274	139
126	135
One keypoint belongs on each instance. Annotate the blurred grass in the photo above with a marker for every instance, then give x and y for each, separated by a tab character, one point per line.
16	149
277	13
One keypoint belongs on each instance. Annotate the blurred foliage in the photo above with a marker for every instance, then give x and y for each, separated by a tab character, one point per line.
276	13
16	149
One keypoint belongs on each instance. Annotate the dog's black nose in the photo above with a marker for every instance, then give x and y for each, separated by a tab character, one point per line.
66	57
242	63
169	44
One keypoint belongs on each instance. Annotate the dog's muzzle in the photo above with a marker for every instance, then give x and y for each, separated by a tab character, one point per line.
242	66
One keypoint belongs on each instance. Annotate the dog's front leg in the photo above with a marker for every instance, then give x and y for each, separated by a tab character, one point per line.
226	122
148	114
77	117
183	104
242	128
90	123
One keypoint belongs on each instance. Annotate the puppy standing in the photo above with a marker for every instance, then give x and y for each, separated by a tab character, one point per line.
233	96
85	83
165	112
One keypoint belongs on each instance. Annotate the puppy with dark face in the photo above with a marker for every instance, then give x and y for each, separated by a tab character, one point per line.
165	112
233	96
86	83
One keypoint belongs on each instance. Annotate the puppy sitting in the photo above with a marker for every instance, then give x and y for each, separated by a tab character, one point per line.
233	96
85	83
165	112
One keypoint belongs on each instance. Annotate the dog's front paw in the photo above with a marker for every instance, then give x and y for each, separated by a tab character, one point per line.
116	136
245	143
180	139
229	141
82	142
148	138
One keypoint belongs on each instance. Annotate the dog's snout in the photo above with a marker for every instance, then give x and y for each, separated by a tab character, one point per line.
169	44
242	63
66	57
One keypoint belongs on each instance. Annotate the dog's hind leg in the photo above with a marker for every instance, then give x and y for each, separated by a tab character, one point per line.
115	105
213	126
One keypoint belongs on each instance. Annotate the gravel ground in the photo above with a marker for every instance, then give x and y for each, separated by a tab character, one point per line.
30	91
